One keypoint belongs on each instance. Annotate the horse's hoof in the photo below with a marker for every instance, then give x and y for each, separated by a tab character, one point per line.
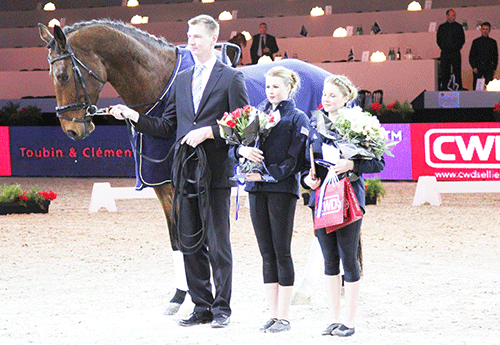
172	308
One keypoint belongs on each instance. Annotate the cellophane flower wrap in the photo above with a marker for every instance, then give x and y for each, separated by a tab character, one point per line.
248	126
357	133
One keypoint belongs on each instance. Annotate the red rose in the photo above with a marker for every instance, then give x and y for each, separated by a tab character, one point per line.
235	114
497	107
247	108
23	197
391	106
376	107
231	123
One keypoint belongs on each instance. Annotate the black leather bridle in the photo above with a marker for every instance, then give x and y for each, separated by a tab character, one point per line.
90	109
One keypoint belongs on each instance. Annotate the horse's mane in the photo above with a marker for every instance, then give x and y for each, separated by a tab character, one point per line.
129	30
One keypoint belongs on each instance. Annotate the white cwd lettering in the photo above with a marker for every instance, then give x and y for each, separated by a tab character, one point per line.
475	146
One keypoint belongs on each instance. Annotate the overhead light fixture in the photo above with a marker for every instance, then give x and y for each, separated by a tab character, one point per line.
54	22
225	15
378	56
317	12
49	6
340	32
207	1
132	3
137	19
414	6
248	36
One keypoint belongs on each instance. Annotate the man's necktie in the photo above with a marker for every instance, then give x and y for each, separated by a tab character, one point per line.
262	45
197	86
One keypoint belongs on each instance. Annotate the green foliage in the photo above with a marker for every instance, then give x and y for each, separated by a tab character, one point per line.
404	110
10	193
14	193
26	116
374	188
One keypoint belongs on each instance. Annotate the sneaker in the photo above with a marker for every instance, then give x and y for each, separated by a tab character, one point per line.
268	324
328	330
279	326
343	331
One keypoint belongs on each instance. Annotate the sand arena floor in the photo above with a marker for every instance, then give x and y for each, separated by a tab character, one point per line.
431	274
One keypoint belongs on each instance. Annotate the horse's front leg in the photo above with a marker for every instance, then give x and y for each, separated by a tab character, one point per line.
165	195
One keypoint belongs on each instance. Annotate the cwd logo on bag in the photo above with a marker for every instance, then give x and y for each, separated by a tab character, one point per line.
331	204
462	148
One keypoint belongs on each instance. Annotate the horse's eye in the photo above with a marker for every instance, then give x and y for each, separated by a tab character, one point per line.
63	78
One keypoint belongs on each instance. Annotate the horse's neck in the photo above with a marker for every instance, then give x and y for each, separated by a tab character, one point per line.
141	79
137	73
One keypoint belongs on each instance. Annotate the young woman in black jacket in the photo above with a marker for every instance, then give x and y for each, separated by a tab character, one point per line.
341	244
272	205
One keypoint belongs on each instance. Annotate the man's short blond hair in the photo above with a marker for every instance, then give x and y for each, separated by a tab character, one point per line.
210	23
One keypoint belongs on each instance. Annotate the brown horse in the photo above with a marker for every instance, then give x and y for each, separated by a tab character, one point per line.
86	55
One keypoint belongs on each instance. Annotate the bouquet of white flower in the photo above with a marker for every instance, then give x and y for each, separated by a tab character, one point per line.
357	133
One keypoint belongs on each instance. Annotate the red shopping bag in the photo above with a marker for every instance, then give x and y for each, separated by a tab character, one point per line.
352	209
329	206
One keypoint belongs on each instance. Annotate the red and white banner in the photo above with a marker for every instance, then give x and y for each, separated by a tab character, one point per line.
456	151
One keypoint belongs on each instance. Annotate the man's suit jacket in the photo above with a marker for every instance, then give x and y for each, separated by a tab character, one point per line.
225	91
270	43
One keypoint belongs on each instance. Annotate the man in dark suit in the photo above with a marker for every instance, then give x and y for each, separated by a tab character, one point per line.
263	44
221	89
450	38
483	56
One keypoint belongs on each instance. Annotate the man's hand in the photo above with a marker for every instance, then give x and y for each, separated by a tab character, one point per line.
122	112
197	136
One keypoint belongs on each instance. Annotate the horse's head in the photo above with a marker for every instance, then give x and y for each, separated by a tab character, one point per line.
78	76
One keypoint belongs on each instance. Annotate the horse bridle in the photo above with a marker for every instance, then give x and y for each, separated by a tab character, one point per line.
90	109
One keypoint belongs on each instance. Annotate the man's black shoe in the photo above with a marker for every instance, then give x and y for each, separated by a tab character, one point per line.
220	321
197	318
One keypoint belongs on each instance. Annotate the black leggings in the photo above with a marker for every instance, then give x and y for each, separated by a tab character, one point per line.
341	244
272	218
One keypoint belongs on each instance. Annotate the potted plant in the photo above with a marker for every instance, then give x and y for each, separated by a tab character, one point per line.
373	191
395	112
13	199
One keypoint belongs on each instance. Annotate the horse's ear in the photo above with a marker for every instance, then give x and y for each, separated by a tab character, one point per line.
60	37
45	33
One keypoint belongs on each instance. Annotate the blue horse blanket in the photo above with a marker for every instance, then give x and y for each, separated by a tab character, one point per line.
307	98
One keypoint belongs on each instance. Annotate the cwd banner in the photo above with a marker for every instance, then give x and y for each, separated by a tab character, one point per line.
456	151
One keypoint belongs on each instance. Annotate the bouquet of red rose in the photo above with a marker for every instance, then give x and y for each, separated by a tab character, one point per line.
249	127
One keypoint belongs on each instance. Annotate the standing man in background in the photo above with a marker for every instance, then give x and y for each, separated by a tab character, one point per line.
450	39
263	44
483	56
